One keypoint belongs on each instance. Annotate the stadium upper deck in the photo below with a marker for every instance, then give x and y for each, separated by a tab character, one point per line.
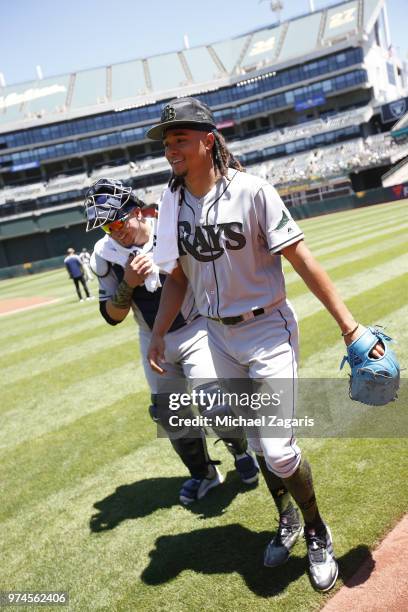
146	81
302	104
309	67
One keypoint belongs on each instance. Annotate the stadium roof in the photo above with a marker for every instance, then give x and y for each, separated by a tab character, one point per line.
188	71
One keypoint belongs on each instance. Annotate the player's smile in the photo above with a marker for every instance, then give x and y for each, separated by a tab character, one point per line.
183	149
131	232
176	164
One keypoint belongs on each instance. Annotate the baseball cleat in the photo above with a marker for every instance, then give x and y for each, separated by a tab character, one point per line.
278	550
323	569
247	467
196	488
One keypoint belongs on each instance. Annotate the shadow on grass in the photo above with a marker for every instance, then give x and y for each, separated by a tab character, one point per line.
234	549
144	497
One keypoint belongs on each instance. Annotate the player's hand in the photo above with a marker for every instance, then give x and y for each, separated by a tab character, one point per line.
376	352
137	269
155	354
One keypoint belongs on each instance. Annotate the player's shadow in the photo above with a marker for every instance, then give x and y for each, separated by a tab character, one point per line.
144	497
235	549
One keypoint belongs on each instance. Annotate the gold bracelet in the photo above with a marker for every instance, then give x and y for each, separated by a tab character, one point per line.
348	333
123	296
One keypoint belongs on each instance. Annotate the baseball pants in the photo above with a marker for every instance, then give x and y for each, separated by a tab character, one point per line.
264	349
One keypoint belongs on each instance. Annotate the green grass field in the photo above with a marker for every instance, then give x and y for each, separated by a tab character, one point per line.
89	499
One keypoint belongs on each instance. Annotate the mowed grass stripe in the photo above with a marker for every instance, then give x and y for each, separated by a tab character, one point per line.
55	286
322	235
324	241
393	259
325	362
381	241
319	330
33	389
44	319
358	215
29	280
61	291
42	466
50	291
347	255
22	343
351	243
64	352
306	303
26	421
365	223
347	222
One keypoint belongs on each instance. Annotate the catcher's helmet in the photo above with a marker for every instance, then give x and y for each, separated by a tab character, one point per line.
108	200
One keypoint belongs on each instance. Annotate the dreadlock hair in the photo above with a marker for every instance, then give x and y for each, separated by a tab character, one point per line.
222	158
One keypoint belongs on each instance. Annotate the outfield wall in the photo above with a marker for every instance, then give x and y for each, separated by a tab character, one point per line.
381	195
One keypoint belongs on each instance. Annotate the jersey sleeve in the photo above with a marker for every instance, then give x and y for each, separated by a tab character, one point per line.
275	221
107	280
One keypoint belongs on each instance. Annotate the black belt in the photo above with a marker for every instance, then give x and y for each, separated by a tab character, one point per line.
241	318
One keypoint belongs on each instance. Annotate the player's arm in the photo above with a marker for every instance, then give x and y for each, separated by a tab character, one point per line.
171	300
319	282
115	309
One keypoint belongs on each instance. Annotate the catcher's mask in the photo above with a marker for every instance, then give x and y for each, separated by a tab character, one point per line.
108	200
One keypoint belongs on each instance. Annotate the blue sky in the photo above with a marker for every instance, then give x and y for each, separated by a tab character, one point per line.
67	35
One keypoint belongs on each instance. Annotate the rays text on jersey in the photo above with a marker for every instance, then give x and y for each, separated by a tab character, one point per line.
207	242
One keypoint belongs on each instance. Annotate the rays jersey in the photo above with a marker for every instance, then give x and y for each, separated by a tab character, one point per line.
229	243
108	262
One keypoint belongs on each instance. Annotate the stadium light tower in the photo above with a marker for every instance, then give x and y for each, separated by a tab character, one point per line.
276	6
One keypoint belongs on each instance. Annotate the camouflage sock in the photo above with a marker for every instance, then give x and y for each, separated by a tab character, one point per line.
276	487
300	485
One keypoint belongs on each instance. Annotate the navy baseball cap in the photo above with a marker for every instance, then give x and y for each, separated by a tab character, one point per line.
183	112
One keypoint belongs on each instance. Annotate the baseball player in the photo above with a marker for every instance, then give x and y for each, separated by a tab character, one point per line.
128	280
75	270
233	229
85	258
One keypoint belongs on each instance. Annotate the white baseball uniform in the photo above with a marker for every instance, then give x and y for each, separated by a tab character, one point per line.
229	245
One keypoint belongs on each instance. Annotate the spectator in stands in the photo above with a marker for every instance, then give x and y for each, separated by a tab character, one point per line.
85	258
75	270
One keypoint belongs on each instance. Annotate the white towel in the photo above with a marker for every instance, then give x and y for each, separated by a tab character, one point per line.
115	253
165	252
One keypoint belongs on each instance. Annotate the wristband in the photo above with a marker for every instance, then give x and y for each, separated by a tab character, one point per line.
348	333
123	296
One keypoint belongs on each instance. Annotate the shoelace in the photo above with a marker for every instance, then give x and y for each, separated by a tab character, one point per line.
285	528
317	548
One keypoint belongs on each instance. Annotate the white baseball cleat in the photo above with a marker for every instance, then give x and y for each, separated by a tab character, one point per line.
323	569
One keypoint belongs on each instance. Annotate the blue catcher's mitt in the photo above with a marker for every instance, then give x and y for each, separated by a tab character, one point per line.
372	381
